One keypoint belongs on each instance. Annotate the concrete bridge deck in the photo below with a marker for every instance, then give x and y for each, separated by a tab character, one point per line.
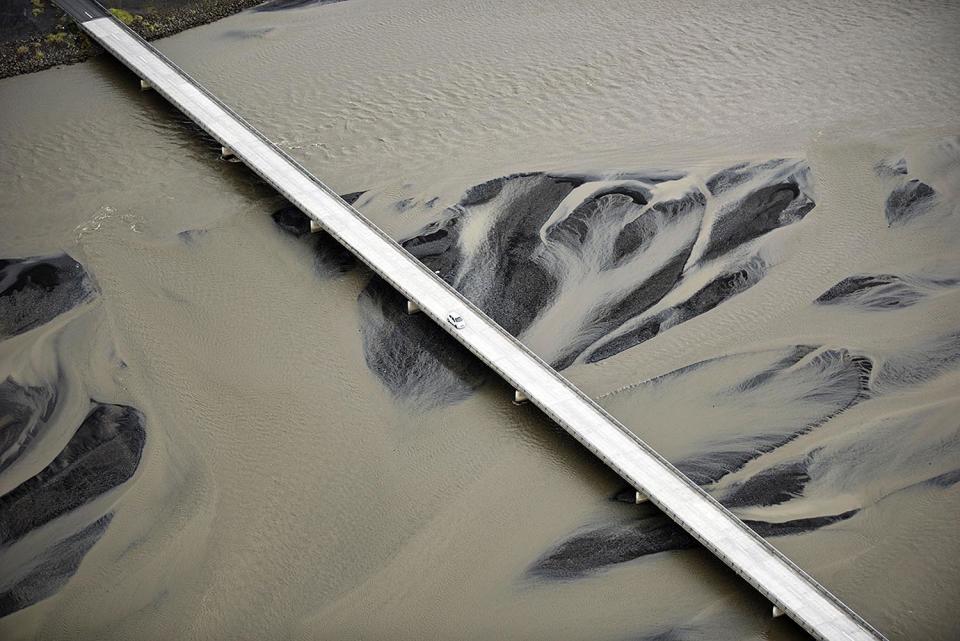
790	590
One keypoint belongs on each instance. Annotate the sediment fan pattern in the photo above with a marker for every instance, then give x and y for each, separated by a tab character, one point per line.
808	386
279	5
35	290
790	393
583	267
52	518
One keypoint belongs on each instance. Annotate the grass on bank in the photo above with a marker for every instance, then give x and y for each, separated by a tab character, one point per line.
123	16
58	38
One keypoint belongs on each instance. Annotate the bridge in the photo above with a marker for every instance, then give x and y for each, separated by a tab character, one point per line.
790	590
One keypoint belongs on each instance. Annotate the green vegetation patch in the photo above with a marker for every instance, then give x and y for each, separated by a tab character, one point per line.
123	16
60	38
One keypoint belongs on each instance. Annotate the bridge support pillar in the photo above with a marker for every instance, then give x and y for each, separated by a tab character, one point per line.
519	397
315	227
144	85
226	152
640	497
777	612
412	307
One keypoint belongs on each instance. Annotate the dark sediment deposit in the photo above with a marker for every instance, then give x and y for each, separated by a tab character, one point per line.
610	544
25	411
819	382
35	290
909	201
102	454
715	292
547	237
883	291
330	257
879	291
604	254
279	5
49	521
421	364
52	569
811	386
825	379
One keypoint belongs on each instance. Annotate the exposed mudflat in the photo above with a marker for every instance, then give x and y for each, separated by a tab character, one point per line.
733	225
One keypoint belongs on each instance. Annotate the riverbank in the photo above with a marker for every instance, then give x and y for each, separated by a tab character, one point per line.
37	35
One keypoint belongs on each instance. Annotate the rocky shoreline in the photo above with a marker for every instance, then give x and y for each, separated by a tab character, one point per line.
37	35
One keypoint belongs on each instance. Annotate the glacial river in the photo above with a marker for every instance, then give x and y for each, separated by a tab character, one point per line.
735	225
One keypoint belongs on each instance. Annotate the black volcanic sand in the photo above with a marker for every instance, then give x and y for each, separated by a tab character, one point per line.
910	199
25	411
279	5
330	256
877	292
908	202
840	381
35	290
525	279
514	277
824	381
102	454
610	544
419	347
841	378
844	381
53	569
